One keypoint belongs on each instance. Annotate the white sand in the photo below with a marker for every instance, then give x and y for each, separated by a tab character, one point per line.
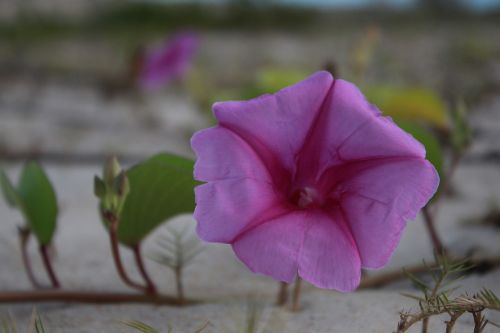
83	260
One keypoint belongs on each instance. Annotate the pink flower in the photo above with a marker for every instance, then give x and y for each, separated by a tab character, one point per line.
168	62
311	181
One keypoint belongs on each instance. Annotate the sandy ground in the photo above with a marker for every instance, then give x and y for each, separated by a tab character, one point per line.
77	119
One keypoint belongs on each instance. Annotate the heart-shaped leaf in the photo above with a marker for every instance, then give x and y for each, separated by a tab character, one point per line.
160	188
39	203
410	104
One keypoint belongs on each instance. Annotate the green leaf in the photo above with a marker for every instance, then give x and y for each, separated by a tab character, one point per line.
409	104
99	187
39	203
160	188
432	146
8	190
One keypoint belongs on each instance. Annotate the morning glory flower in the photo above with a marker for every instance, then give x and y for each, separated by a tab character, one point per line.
169	61
312	181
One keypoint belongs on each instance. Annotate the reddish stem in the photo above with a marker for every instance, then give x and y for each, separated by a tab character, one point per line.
87	297
48	266
296	294
150	286
24	236
436	241
113	238
282	294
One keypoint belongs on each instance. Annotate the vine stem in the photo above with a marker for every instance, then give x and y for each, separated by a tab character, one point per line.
48	266
296	295
24	236
436	241
438	282
113	226
88	297
150	286
429	215
282	294
453	319
425	325
479	321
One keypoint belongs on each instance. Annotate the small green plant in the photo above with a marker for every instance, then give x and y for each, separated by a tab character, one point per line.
248	325
437	298
35	197
136	201
144	328
8	325
177	249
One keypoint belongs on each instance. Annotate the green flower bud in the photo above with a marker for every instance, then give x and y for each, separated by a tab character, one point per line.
111	170
121	185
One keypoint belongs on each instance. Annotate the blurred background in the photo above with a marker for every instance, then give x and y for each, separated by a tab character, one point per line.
83	79
69	69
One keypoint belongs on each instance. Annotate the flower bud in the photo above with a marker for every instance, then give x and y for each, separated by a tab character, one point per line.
111	170
121	185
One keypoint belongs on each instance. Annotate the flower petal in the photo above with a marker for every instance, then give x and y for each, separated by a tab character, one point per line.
272	248
349	128
364	132
225	208
329	257
277	125
379	198
224	155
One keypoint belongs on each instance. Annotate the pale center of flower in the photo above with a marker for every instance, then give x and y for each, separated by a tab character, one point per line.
306	197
